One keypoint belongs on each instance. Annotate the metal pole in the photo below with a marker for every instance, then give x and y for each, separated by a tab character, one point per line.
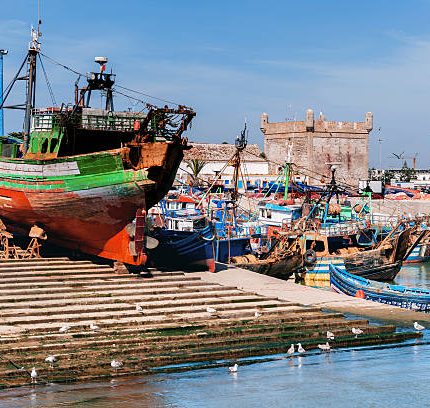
2	53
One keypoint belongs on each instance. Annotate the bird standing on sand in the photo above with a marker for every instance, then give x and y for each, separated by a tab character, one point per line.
418	326
116	364
291	350
233	369
210	309
33	376
94	327
51	360
330	335
64	329
300	349
356	331
324	347
139	308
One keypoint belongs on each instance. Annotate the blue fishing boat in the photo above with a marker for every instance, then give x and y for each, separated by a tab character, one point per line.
408	298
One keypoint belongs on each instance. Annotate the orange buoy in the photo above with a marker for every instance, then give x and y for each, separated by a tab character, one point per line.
360	294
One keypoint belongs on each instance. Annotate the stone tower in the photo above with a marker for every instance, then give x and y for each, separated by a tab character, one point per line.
317	144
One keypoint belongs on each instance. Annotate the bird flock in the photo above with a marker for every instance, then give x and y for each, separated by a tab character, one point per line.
118	364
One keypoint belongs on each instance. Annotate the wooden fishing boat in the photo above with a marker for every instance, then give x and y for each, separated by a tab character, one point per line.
282	261
83	174
408	298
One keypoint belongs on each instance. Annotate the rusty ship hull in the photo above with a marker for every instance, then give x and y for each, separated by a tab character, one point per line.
85	202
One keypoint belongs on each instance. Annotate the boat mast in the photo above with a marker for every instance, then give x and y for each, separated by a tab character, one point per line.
240	143
33	51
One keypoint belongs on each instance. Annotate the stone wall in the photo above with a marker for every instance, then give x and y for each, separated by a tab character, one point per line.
318	144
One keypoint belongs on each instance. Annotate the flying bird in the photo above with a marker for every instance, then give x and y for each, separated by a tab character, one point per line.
399	156
291	350
116	364
330	335
418	326
33	376
233	369
300	349
324	347
51	360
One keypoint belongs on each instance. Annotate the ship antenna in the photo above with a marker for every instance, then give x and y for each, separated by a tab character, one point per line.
33	51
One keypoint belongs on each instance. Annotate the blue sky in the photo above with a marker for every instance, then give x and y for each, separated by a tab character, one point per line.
232	60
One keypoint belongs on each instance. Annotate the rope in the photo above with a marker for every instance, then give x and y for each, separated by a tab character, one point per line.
51	93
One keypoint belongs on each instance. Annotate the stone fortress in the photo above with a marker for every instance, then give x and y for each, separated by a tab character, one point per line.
317	144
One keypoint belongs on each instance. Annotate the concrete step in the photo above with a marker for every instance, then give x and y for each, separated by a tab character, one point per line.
46	310
86	298
170	292
35	260
75	313
94	282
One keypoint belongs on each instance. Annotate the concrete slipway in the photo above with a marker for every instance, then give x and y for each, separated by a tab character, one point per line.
157	320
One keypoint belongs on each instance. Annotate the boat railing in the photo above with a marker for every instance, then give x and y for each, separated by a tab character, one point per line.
341	228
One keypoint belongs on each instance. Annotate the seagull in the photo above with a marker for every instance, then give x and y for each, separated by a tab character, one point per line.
418	326
139	308
356	331
210	309
233	369
33	376
291	350
300	349
115	364
51	360
330	335
64	329
257	314
94	327
324	347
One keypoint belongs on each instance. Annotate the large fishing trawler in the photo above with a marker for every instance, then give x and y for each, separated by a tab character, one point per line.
84	174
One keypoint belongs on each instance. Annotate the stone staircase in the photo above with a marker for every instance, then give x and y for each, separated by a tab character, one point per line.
173	326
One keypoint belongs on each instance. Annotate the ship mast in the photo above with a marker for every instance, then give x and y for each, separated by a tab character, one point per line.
240	143
33	51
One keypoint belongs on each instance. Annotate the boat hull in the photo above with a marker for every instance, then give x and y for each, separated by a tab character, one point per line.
86	202
194	250
407	298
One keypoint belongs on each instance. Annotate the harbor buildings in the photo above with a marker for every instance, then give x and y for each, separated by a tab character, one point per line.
316	144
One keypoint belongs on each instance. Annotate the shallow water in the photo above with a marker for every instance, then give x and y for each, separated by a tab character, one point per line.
362	377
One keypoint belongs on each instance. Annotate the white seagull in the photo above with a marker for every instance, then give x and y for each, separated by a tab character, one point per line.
233	369
94	327
418	326
210	309
139	308
330	335
291	350
356	331
116	364
33	376
257	314
64	329
51	360
324	347
300	349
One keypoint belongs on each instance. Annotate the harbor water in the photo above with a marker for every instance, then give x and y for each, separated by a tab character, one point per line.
380	376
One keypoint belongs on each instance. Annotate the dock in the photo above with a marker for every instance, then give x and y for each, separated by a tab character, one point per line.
155	320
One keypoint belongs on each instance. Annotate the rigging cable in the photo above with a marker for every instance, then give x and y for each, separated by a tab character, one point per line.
51	92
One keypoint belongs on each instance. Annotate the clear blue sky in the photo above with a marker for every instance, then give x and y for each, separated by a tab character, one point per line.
232	60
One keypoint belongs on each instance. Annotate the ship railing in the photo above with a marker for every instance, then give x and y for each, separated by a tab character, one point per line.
344	228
